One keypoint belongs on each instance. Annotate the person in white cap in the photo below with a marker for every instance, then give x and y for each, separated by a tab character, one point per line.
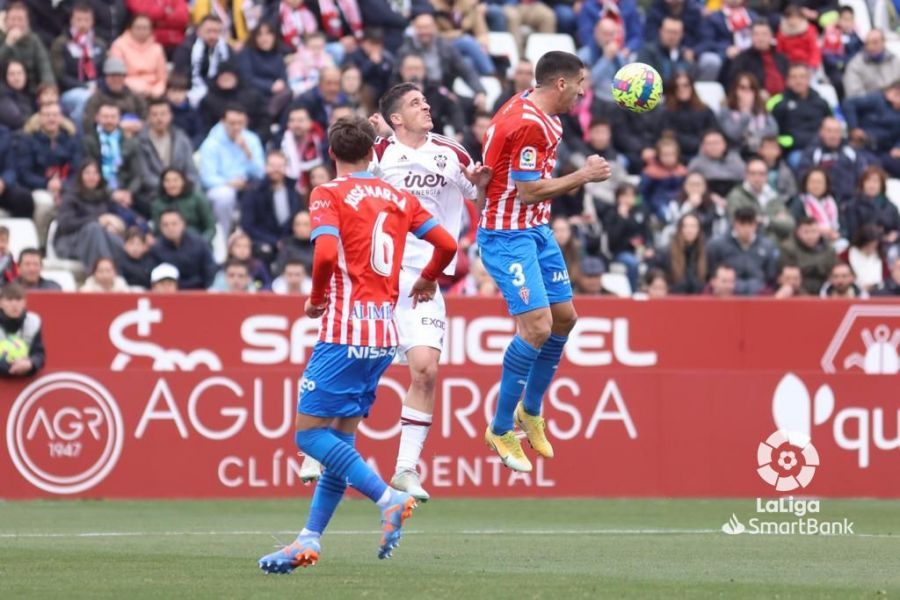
164	279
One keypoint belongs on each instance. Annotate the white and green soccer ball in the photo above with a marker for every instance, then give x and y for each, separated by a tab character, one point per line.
637	87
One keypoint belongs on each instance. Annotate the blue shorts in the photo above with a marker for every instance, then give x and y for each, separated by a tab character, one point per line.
340	380
527	266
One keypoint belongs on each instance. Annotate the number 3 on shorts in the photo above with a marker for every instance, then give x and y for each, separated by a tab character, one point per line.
518	274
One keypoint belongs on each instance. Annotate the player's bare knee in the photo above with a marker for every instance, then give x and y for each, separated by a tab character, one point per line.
564	324
536	330
424	376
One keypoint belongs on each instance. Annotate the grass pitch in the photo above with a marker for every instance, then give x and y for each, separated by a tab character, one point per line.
459	549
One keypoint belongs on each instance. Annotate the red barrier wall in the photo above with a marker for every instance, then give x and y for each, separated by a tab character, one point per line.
194	396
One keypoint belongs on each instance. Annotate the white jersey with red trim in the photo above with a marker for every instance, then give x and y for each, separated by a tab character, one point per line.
519	145
433	173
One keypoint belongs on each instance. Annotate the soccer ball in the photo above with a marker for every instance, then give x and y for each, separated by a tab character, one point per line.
637	87
13	348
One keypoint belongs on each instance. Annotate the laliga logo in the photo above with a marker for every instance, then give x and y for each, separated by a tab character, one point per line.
163	360
64	433
787	461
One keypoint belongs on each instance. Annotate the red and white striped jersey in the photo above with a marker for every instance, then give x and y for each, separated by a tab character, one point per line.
371	219
433	173
519	145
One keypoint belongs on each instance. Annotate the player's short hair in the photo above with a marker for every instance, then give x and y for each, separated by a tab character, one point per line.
351	138
12	291
556	64
390	101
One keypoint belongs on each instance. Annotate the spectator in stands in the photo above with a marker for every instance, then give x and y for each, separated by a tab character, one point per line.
144	58
322	100
319	175
871	206
761	60
119	158
816	200
840	284
629	32
19	43
112	88
474	135
30	266
723	283
262	67
352	88
635	135
104	278
872	68
864	258
756	193
722	168
810	253
234	278
604	57
227	89
662	178
723	35
376	64
47	18
294	280
8	268
780	176
799	113
798	39
200	56
878	115
627	225
891	286
444	109
16	103
230	158
170	18
110	17
305	66
695	198
462	23
176	191
76	57
600	143
840	43
164	279
477	282
667	54
163	146
443	61
298	245
232	14
304	146
790	283
753	257
688	12
569	244
684	260
836	157
590	280
135	263
88	226
16	320
240	249
686	114
744	120
294	20
46	158
184	116
523	79
268	208
653	285
14	199
184	249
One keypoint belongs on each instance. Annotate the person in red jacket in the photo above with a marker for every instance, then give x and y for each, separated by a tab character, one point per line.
798	39
170	20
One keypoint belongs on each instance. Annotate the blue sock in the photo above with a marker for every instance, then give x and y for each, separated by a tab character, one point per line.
342	459
517	362
329	492
542	372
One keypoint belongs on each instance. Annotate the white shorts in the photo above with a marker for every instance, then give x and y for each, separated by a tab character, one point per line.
423	325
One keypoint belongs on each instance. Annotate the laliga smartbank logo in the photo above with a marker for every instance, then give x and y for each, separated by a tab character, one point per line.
787	461
64	433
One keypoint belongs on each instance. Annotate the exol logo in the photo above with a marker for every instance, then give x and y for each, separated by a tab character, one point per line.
431	180
432	322
163	360
64	433
787	461
877	327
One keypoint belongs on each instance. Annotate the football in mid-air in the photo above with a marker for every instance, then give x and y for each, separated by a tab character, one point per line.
637	87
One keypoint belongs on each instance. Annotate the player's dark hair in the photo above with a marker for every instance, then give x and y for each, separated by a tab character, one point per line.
30	252
745	215
12	291
556	64
390	101
351	139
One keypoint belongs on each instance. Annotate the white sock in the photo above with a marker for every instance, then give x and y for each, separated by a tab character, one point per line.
413	431
307	533
385	499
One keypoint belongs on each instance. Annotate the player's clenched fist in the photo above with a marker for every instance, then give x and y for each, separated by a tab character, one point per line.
596	168
314	311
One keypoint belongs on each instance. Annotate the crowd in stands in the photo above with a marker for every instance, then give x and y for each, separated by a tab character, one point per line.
147	131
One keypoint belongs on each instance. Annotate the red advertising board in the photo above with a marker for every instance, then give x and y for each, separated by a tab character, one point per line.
195	395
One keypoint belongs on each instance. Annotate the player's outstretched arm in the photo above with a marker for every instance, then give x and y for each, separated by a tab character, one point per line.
595	169
425	287
324	259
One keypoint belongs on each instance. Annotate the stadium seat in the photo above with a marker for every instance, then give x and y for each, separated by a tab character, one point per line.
540	43
893	191
880	17
65	279
711	93
861	15
22	234
53	261
502	43
828	93
616	284
492	90
893	46
461	88
219	246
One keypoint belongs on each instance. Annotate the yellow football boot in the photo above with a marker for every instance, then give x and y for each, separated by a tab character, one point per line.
534	431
